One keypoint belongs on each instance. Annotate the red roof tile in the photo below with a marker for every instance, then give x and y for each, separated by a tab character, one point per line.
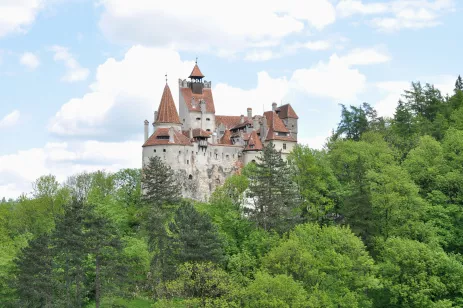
274	122
254	143
286	111
229	121
167	112
198	132
226	138
196	72
179	138
206	96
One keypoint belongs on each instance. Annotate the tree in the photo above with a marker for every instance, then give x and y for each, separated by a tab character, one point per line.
273	191
193	237
458	84
331	263
317	184
415	274
280	291
358	121
158	184
34	274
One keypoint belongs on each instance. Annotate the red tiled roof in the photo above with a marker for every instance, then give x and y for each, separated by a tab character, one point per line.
167	112
179	138
274	122
242	125
206	96
229	121
286	111
226	138
198	132
254	143
196	72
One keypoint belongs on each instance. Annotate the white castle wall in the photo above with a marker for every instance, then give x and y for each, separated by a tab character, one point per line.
198	170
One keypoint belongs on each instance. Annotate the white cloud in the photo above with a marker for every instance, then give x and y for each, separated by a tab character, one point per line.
16	15
337	79
398	14
260	55
75	72
256	55
316	142
211	25
19	170
29	60
10	119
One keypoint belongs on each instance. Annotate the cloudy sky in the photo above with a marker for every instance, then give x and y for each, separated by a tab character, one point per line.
79	77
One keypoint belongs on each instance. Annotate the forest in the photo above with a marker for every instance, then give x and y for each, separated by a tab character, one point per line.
374	219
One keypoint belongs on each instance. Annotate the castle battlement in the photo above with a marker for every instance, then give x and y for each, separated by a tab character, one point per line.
204	148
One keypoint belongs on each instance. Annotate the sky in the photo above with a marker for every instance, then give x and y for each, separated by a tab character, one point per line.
79	77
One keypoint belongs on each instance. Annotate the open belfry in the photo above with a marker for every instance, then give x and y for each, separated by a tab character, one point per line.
204	148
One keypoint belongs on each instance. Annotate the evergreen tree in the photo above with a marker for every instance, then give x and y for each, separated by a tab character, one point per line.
158	183
459	84
273	191
358	120
193	237
34	274
104	245
69	242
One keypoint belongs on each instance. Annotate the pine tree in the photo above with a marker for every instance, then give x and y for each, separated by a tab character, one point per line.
104	245
34	274
193	237
159	185
459	84
273	191
69	242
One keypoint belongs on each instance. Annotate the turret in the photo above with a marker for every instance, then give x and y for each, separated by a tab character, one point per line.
146	129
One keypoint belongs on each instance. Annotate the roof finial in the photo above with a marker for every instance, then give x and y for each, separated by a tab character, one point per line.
166	78
196	62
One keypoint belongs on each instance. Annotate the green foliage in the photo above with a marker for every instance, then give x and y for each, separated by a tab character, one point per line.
274	292
158	184
193	237
331	263
414	274
358	120
273	191
317	184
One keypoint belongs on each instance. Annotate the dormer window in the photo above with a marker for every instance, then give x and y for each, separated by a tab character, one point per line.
208	130
162	137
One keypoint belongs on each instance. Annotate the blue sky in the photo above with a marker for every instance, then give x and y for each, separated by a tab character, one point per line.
79	77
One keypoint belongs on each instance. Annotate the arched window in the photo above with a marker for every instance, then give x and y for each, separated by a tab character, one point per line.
190	177
207	119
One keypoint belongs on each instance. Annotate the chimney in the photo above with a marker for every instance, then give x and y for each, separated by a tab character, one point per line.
263	129
249	114
242	119
171	135
191	133
274	106
146	129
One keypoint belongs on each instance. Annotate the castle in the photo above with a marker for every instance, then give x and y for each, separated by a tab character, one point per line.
204	148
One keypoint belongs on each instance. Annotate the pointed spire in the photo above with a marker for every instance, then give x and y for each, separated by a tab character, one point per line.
167	112
196	72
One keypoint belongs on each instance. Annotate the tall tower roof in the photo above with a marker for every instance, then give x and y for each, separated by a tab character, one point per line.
196	72
167	112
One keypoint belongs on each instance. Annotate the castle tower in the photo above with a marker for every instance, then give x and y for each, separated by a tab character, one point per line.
196	104
167	115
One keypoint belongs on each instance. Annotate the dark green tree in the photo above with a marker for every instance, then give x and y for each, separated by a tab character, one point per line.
358	120
193	237
70	254
34	274
458	84
158	184
273	191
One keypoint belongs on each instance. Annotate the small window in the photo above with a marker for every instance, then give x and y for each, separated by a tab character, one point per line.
216	156
179	152
154	150
198	119
190	177
227	157
208	130
164	150
207	119
187	162
183	120
284	146
253	161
